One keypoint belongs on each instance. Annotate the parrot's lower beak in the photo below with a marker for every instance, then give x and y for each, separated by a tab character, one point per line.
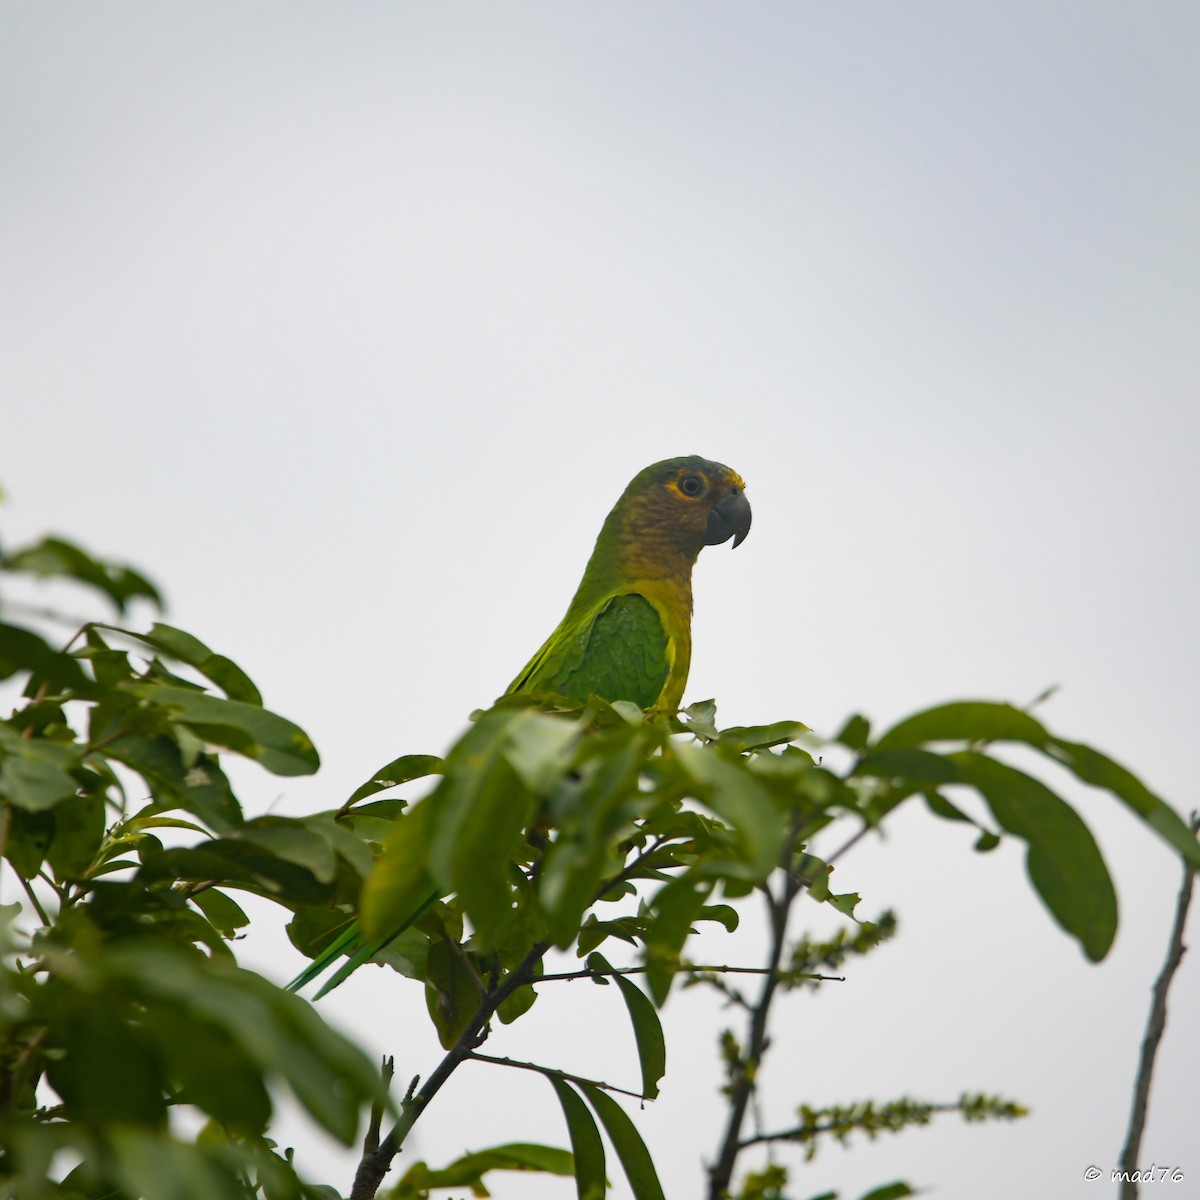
729	518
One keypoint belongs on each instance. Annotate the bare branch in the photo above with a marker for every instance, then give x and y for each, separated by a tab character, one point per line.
1155	1025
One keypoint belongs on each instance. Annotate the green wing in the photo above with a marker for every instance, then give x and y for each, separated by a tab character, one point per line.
618	650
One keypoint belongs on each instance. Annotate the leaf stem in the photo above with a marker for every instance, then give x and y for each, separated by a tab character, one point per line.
555	1073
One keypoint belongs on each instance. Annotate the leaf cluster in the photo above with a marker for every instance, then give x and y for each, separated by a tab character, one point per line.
123	1002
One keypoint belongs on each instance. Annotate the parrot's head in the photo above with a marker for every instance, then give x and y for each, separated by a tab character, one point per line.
676	507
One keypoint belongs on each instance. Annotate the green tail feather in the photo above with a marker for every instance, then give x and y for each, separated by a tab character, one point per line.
351	944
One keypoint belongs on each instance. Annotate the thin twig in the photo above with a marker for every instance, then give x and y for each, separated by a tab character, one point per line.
716	970
801	1133
37	904
1155	1025
371	1141
554	1073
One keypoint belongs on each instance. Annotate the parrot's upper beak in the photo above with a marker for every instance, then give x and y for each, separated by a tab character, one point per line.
729	518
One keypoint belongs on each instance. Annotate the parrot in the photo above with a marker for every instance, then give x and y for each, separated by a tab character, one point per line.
627	632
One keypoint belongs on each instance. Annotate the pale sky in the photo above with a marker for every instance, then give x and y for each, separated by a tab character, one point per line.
350	323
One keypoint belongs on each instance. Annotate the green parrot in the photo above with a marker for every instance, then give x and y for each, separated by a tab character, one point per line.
627	634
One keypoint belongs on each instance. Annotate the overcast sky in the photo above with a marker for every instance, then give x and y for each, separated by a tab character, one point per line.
350	322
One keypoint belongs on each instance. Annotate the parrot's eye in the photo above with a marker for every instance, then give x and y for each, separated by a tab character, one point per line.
691	485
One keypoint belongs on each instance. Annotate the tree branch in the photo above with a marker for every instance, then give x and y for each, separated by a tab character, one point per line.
743	1084
374	1166
1155	1025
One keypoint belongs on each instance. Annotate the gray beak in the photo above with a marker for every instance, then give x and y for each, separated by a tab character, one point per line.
730	518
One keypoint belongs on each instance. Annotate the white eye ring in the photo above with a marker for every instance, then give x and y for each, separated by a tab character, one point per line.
691	485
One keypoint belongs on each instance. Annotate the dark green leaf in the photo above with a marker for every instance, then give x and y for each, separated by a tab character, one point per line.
631	1150
29	838
647	1029
290	840
108	1070
890	1191
419	1180
482	808
201	789
916	766
675	908
227	675
280	746
966	720
23	650
737	797
452	992
78	831
855	734
1063	860
1095	768
57	557
586	1146
940	806
223	913
35	774
399	770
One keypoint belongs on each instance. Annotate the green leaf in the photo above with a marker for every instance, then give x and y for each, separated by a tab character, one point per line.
57	557
223	913
290	840
631	1150
737	797
209	1069
539	749
283	1034
29	838
1095	768
966	720
482	807
399	887
171	1170
419	1180
675	907
23	650
227	675
586	1146
78	831
1063	860
35	774
855	734
740	738
647	1029
108	1070
280	746
916	766
451	991
700	719
941	807
201	789
399	770
890	1191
